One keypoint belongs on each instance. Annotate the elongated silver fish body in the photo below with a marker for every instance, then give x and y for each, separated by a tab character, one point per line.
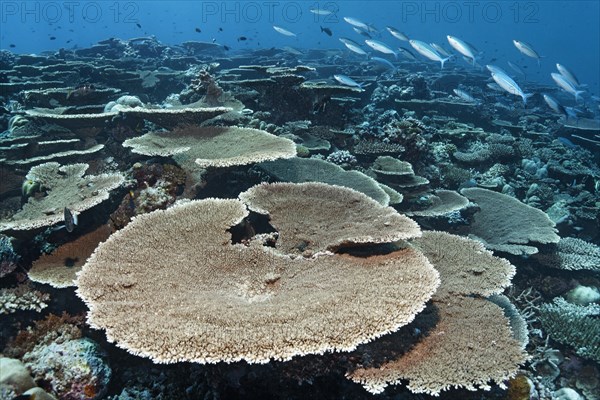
358	23
380	47
320	11
407	53
566	85
568	75
506	83
283	31
347	81
397	34
495	69
462	47
353	46
427	51
384	62
465	96
525	48
553	103
440	50
516	68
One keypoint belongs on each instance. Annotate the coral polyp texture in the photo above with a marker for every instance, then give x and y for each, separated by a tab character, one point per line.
332	216
59	268
214	146
465	266
207	300
470	346
61	186
471	343
505	224
299	170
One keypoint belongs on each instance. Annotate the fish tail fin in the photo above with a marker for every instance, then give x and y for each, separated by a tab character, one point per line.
539	60
577	93
322	30
526	96
443	61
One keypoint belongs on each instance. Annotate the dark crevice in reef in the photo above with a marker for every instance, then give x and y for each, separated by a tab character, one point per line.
254	224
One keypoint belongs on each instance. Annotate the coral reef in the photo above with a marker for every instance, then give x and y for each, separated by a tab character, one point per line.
214	146
75	369
60	268
62	186
22	298
156	132
299	170
505	224
574	325
8	258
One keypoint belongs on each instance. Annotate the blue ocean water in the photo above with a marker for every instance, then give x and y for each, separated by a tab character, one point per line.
566	32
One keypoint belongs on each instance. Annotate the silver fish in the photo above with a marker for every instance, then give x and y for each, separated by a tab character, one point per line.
553	103
319	11
347	81
558	108
407	53
526	49
464	95
361	32
283	31
463	48
516	68
384	62
353	46
70	220
397	34
427	51
292	50
440	50
568	75
495	69
495	86
566	85
357	23
510	86
380	47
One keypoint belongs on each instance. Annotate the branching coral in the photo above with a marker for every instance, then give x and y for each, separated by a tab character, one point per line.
207	84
